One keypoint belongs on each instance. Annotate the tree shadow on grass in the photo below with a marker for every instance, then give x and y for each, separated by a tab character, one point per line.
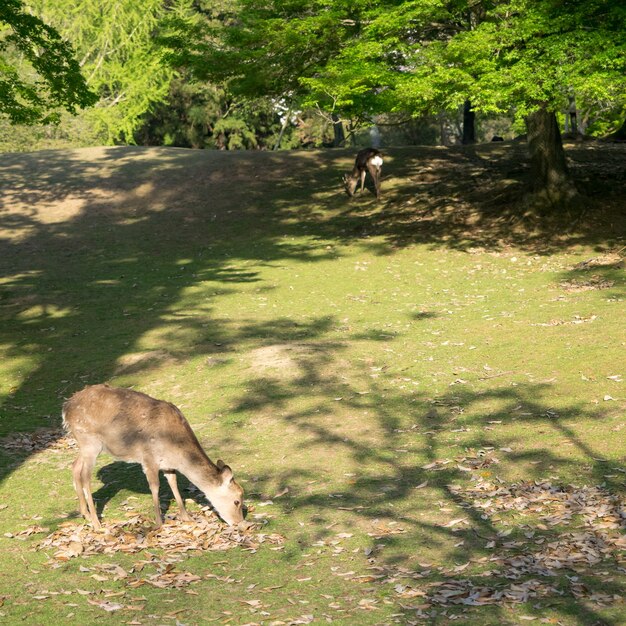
121	476
96	250
411	486
468	197
604	272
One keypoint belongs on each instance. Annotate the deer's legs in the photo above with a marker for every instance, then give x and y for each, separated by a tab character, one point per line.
77	469
171	479
151	471
375	174
83	467
362	179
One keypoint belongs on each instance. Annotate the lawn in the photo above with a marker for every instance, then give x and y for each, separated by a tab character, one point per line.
423	397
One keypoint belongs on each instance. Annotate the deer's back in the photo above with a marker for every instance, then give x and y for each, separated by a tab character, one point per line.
366	155
129	424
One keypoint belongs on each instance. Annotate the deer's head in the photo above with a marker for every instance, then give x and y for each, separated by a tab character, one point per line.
349	184
227	496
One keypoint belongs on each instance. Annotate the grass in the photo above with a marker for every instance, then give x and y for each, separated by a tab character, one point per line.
328	349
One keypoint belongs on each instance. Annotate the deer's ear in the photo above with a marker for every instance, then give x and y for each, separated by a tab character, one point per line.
226	474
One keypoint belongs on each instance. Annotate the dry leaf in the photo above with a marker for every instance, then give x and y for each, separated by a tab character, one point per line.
107	606
454	522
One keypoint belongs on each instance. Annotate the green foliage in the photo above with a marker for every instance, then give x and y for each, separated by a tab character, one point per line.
263	48
600	122
526	54
124	65
222	66
38	72
71	131
233	134
258	51
362	58
203	115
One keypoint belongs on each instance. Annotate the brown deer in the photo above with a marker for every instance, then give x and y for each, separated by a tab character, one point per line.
137	428
367	160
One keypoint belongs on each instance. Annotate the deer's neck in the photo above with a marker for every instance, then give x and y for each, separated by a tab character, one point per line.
199	469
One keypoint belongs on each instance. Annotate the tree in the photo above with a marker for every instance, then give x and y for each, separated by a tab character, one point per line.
38	71
531	56
204	115
264	48
360	58
116	43
469	128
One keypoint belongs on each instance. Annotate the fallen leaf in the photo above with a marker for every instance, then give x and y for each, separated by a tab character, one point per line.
104	604
454	522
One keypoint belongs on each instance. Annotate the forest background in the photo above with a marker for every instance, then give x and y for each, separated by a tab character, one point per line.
230	74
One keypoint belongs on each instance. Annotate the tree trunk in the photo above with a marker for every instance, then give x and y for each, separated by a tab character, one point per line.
469	129
338	131
573	118
552	185
570	127
283	127
443	131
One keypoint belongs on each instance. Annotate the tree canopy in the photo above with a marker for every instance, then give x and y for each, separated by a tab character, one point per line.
119	54
361	57
358	59
41	75
228	73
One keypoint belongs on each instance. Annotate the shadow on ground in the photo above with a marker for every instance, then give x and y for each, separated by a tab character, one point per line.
97	247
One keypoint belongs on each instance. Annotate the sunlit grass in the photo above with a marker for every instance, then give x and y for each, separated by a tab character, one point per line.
347	361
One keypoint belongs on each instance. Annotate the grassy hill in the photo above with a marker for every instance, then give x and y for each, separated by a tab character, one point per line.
423	396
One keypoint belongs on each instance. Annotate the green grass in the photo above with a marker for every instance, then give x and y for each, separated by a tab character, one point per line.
325	346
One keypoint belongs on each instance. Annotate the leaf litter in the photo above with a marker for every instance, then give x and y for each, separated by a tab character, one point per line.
544	560
594	282
136	534
572	532
161	549
41	439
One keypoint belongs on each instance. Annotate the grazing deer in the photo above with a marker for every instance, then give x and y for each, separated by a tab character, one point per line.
137	428
367	160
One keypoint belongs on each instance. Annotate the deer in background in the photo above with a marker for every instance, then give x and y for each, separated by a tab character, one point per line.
137	428
367	160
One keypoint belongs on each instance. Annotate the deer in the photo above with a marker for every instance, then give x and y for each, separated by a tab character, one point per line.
135	427
367	160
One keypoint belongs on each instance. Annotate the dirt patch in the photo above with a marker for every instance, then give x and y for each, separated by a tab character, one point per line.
592	283
284	361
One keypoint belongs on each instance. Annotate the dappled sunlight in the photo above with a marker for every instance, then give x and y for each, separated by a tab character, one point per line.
43	311
132	362
365	365
403	487
118	262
